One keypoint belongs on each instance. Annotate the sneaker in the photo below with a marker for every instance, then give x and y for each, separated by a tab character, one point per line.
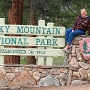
70	46
65	49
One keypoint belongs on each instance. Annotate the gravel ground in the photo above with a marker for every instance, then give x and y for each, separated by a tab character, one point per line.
78	87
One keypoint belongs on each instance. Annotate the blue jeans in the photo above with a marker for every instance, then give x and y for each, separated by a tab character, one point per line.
70	35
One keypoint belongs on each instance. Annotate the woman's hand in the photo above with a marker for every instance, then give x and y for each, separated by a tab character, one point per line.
72	30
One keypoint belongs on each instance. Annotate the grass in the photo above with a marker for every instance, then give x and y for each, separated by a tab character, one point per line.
22	61
56	60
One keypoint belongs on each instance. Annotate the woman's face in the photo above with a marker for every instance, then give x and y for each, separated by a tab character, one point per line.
83	13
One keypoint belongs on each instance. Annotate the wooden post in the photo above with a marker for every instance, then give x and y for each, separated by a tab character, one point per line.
2	22
41	58
49	59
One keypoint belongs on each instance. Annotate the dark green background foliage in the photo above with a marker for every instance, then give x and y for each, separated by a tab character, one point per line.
60	12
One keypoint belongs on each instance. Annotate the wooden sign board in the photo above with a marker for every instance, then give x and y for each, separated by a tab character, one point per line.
31	41
32	30
44	39
31	52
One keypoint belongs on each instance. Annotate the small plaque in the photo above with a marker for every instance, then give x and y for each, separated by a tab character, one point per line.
84	46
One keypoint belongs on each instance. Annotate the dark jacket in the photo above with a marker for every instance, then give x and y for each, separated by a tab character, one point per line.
82	24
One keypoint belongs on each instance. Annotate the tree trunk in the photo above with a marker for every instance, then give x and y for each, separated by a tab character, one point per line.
15	17
32	59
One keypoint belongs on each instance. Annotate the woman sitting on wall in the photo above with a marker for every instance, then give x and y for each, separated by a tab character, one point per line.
80	26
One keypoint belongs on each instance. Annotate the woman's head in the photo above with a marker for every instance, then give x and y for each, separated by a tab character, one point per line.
83	13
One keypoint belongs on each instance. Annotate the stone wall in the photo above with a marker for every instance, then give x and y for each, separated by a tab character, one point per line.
79	69
32	75
75	71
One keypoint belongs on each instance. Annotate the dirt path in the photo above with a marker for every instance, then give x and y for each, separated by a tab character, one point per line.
79	87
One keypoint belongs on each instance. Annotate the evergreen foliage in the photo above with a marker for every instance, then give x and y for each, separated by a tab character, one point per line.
60	12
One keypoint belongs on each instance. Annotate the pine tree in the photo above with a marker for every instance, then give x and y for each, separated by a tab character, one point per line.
15	17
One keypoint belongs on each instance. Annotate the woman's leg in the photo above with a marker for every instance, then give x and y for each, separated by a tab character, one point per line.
68	31
73	34
71	37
